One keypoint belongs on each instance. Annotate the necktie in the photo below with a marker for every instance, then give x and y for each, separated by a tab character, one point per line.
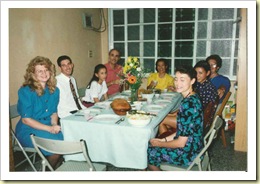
74	95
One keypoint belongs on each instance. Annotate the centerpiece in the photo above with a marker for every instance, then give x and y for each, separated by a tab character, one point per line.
133	75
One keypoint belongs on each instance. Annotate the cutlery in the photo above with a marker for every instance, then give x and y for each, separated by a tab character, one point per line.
119	121
79	115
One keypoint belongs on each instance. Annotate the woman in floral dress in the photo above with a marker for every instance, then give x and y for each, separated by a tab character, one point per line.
182	147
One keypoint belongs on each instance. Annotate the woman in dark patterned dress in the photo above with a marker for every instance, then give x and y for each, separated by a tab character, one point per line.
181	147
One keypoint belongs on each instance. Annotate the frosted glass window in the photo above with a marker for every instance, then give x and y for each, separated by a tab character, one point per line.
133	16
201	49
121	48
184	31
164	31
222	29
185	14
118	17
119	34
203	14
133	33
149	64
164	14
202	30
182	62
223	13
164	49
149	48
149	15
184	49
149	32
133	49
221	47
224	70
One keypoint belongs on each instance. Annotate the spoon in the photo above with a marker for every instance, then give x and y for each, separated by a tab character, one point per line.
120	120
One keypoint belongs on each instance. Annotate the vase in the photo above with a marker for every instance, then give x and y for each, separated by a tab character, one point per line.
134	95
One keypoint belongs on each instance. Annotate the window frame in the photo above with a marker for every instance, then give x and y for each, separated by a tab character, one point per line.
173	40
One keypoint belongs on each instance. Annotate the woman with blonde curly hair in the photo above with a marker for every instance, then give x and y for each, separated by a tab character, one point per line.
37	105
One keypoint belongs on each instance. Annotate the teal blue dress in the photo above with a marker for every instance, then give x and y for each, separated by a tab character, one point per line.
189	124
40	108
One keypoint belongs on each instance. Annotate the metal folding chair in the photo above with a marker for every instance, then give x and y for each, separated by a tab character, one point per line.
64	148
202	161
17	145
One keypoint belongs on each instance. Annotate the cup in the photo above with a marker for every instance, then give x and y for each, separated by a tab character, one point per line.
149	100
157	96
138	105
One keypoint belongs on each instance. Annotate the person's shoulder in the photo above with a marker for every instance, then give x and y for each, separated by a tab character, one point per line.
169	76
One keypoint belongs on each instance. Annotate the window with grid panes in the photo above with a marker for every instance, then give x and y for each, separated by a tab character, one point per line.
182	36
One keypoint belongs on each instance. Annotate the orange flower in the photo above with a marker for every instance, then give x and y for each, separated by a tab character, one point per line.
132	79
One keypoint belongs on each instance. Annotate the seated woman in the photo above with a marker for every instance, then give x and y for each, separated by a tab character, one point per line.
161	80
181	147
97	87
205	89
221	82
37	105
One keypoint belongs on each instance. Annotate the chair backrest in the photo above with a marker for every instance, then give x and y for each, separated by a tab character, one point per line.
223	104
217	123
209	113
61	147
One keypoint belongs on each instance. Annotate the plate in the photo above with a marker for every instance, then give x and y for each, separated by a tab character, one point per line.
106	118
162	102
168	94
91	111
121	96
154	108
103	105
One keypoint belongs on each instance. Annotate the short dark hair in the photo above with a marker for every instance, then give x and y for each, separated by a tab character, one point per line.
61	58
217	58
165	63
190	71
203	64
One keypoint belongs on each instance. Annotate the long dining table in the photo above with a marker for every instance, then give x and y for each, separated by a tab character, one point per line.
122	145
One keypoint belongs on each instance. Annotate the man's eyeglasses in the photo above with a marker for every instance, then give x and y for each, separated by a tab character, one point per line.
213	66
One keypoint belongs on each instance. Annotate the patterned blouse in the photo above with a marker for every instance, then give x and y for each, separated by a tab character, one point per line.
189	124
207	92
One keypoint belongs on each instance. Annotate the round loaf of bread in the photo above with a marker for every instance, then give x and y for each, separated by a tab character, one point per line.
120	106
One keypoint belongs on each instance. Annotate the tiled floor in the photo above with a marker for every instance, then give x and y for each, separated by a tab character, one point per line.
222	159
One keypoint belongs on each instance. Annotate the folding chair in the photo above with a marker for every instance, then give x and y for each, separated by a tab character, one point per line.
219	113
65	148
17	145
202	161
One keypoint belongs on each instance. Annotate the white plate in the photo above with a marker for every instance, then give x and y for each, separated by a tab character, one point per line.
154	108
121	96
103	105
91	111
106	118
162	102
168	94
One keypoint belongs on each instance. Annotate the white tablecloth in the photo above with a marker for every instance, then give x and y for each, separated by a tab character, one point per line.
121	145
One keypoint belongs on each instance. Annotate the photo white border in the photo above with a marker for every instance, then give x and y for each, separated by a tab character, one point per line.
227	175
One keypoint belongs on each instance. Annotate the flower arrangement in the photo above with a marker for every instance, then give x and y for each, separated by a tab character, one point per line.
133	73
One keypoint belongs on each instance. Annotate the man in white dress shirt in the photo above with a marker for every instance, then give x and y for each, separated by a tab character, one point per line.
67	103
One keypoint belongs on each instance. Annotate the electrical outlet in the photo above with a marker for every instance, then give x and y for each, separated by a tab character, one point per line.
90	54
88	20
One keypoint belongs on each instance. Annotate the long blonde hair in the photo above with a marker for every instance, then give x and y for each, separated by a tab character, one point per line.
32	82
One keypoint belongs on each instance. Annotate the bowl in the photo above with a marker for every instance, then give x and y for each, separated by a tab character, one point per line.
138	120
148	96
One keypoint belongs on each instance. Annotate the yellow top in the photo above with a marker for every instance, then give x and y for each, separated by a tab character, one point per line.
163	83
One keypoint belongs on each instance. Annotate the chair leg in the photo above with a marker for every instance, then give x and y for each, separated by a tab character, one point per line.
223	137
